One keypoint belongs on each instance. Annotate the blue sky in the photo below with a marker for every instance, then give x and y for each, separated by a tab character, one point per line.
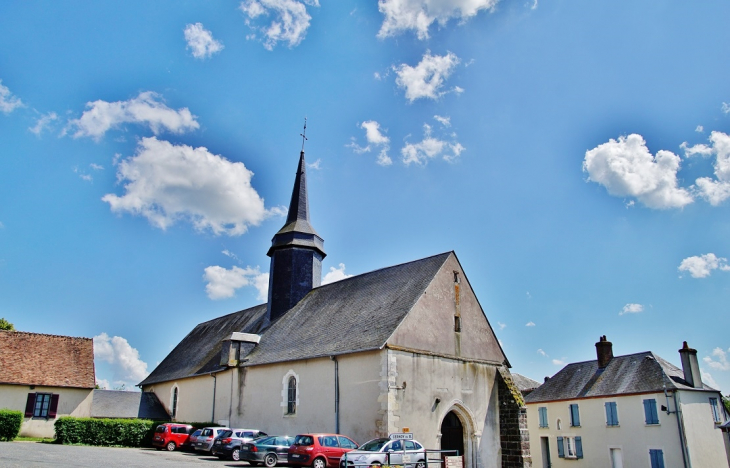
574	155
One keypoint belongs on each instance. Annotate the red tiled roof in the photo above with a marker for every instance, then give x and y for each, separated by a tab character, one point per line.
48	360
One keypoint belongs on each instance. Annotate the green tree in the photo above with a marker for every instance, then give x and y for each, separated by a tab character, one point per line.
5	325
726	402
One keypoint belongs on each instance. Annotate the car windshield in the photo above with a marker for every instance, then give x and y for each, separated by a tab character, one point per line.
225	434
160	429
197	433
304	440
373	445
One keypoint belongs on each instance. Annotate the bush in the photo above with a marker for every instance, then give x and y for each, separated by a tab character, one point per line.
10	422
124	432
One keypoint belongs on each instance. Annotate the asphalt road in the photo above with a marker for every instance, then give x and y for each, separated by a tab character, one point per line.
34	454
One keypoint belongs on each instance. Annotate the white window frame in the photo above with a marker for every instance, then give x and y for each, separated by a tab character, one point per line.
568	444
285	394
174	404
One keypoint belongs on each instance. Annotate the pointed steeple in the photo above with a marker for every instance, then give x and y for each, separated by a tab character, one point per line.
296	252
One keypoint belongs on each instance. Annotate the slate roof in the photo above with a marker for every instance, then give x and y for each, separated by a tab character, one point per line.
630	374
46	360
524	384
356	314
119	404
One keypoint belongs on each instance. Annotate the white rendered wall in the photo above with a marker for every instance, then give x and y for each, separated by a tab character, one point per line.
704	438
194	399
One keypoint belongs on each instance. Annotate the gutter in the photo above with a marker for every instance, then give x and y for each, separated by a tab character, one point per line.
337	394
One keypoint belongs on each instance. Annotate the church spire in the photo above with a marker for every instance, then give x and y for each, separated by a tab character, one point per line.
296	250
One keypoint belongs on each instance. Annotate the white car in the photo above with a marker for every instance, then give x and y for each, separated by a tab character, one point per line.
378	452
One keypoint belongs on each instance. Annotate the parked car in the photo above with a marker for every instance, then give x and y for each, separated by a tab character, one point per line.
230	440
194	437
171	436
377	452
319	450
267	450
205	439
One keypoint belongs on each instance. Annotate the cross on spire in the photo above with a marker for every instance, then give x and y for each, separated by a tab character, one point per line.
304	135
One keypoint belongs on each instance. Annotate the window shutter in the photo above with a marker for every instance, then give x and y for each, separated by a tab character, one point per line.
574	415
543	416
29	405
561	450
657	458
609	418
54	406
614	412
578	447
647	412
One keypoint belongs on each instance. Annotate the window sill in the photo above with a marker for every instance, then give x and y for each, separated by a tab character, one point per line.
652	424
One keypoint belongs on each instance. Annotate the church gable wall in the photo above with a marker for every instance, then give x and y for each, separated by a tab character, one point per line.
431	325
194	397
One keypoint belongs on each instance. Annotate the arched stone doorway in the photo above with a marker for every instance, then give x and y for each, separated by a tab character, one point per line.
452	433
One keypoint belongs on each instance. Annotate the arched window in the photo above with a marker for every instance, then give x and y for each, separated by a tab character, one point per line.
291	400
174	403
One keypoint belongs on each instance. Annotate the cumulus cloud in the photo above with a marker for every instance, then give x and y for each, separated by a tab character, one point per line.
419	15
632	309
725	108
8	102
700	129
376	139
627	169
166	183
128	368
719	361
147	109
559	362
501	325
717	190
290	22
701	266
542	353
445	121
223	283
530	324
200	41
316	165
709	380
431	147
335	274
426	80
43	122
696	150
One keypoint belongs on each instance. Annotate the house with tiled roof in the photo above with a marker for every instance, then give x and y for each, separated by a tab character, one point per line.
636	410
45	376
402	348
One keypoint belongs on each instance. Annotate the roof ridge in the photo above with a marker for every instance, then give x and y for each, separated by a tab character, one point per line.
47	334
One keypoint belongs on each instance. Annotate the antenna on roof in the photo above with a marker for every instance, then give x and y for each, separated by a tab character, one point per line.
304	134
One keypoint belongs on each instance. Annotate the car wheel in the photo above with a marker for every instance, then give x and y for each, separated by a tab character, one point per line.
170	446
319	463
270	460
236	455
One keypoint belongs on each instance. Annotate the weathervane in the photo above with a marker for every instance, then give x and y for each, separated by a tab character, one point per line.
304	135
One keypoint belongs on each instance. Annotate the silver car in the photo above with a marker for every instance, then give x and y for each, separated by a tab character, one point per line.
206	438
378	452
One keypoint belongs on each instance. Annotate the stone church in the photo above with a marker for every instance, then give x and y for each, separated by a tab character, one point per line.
407	347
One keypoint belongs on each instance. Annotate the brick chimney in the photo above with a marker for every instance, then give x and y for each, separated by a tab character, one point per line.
604	352
690	366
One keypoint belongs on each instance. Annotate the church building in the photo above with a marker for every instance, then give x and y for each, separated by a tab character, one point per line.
403	348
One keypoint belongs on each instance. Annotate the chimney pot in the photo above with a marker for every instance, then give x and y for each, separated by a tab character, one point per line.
604	351
690	366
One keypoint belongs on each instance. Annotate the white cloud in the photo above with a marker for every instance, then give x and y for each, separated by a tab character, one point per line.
720	362
445	121
83	175
43	122
290	22
725	108
632	309
166	183
375	139
429	148
96	167
530	324
700	129
534	5
709	380
627	169
223	283
103	384
702	266
147	109
700	149
335	274
128	368
419	15
718	190
542	353
501	325
8	102
200	41
316	165
559	362
426	80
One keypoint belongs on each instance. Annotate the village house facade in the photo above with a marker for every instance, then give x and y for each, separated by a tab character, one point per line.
406	347
636	410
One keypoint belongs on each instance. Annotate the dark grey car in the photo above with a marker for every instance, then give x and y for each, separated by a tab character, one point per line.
266	450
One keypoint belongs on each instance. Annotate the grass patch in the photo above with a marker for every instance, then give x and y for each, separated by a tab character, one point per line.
45	440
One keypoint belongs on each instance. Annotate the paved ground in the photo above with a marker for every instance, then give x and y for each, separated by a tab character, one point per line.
33	454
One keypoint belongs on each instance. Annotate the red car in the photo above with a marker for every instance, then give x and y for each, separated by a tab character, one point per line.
171	436
319	450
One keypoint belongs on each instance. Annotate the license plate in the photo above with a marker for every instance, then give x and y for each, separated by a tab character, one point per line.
217	442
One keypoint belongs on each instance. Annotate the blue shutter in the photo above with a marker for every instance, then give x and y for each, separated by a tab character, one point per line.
650	413
542	411
611	414
574	415
578	447
561	450
614	409
657	458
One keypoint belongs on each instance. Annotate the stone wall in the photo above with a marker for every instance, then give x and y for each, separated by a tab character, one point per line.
514	438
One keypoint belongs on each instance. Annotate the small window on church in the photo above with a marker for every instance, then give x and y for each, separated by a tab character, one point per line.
174	403
291	404
456	277
457	323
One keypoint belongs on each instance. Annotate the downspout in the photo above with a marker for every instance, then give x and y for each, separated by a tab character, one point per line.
215	381
679	424
337	394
